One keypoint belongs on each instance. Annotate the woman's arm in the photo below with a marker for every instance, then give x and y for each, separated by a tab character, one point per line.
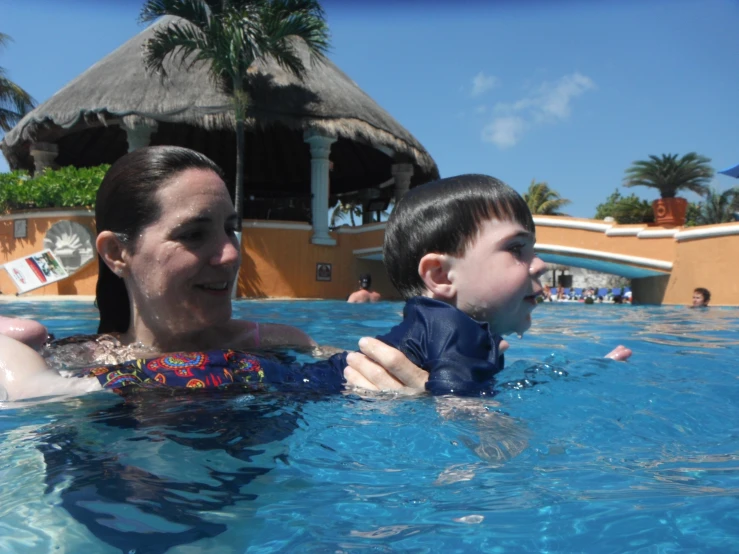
27	331
24	374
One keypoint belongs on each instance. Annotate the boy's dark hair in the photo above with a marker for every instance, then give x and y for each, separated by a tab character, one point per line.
445	216
705	293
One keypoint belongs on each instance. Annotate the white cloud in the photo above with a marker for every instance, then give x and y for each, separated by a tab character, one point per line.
482	83
549	103
505	131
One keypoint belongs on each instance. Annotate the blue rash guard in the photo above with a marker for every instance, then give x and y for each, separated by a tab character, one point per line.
460	354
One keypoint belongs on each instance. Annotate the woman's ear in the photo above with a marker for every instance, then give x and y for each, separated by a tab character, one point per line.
434	272
112	251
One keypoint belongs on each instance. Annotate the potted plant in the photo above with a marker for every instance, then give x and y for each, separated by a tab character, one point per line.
670	174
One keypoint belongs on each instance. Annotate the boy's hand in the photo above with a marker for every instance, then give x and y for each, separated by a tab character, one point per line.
382	367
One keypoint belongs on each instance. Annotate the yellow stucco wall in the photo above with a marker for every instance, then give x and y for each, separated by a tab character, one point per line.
712	263
279	260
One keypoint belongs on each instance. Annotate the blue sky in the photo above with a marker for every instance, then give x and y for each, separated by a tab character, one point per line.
568	92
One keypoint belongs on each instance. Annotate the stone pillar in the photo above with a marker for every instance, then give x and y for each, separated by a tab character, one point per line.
44	154
402	174
320	148
139	135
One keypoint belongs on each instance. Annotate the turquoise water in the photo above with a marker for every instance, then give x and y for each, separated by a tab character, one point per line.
577	454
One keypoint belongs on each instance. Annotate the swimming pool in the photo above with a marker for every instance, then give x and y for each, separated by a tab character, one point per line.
580	454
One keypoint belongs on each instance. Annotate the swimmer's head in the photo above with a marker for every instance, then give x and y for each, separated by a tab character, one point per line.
701	297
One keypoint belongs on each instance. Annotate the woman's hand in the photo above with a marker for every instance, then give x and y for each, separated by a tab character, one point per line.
381	367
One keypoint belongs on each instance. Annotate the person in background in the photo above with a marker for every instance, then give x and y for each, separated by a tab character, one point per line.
547	293
701	298
561	293
365	292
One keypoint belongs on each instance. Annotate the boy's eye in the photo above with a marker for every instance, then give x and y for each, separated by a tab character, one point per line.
517	249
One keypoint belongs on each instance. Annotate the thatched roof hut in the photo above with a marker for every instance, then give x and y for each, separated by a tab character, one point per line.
88	121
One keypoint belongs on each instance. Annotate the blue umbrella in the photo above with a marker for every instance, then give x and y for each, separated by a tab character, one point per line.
732	171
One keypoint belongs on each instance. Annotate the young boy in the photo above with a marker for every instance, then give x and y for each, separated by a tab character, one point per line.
461	252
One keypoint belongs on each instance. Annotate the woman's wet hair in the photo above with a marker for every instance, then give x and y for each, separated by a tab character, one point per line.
445	216
126	204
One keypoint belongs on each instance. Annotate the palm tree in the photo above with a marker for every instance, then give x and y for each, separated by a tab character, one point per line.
542	200
670	174
718	207
14	101
231	35
343	208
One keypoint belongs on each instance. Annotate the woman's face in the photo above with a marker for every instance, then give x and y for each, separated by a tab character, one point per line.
184	265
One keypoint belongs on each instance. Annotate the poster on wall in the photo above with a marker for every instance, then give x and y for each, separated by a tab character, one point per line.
36	270
323	272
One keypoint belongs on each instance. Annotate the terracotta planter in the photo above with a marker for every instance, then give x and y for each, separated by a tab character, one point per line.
670	212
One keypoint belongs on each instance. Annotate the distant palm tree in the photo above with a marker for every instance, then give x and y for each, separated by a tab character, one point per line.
14	101
344	208
718	207
670	174
542	200
231	35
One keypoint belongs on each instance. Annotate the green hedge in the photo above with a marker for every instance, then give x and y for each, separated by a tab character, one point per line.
68	187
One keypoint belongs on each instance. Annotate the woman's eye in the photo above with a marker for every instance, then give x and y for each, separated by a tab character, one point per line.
191	236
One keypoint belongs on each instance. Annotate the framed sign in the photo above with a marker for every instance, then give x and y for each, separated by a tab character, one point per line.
323	272
20	228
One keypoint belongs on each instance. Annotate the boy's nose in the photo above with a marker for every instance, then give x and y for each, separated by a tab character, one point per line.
537	267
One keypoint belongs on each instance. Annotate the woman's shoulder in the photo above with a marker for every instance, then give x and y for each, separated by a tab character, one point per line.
252	334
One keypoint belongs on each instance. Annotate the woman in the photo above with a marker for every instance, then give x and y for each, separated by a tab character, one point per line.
168	259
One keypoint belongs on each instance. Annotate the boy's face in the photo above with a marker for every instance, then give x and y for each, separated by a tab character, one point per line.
698	299
497	279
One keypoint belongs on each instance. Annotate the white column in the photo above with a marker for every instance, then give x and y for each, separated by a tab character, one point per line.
139	135
44	154
320	148
402	174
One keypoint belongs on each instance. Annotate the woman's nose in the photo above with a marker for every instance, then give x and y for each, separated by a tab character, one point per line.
228	252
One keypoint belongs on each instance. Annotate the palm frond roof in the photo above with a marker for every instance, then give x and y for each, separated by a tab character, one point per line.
118	89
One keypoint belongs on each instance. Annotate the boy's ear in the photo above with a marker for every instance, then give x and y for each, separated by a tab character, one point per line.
434	272
112	251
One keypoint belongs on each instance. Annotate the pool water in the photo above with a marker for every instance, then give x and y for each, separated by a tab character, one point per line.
576	453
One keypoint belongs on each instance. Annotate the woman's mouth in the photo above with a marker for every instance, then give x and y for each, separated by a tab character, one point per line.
215	287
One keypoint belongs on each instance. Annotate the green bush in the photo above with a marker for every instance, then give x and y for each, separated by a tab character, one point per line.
68	187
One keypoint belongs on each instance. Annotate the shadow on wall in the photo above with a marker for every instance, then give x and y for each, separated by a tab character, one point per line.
649	290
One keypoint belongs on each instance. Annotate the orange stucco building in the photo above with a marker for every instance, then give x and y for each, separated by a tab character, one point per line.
280	261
